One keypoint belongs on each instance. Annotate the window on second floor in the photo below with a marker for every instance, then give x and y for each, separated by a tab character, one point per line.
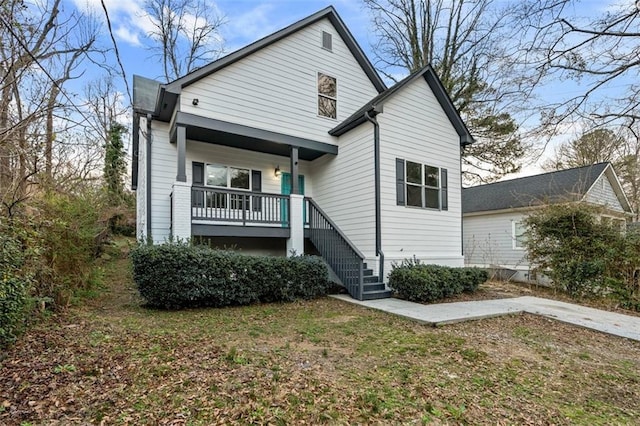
327	96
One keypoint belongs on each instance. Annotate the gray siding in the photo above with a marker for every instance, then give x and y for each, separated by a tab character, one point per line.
488	240
602	193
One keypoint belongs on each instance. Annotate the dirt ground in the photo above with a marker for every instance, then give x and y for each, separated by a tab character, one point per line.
112	361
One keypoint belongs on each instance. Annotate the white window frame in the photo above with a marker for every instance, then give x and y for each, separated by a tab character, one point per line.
515	237
206	165
423	186
319	95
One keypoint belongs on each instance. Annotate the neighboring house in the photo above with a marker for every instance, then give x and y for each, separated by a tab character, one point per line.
295	144
493	213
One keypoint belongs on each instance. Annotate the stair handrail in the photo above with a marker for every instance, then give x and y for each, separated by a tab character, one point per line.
349	267
335	227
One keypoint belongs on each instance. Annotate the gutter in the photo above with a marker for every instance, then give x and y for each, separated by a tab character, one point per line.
149	119
376	156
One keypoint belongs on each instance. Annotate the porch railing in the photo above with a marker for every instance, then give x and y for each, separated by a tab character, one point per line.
343	257
239	207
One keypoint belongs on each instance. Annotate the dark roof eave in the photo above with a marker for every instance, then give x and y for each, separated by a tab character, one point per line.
348	125
440	93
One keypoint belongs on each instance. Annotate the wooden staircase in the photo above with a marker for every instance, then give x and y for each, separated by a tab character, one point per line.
373	287
346	261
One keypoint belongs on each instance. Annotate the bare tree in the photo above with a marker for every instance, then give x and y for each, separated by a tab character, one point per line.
185	35
601	52
601	56
468	42
41	50
106	104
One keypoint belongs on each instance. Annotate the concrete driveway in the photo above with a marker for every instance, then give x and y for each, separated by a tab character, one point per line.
448	313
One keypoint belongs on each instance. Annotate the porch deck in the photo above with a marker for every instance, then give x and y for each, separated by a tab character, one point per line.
223	212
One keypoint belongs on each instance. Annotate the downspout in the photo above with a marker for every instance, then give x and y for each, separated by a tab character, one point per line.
149	237
376	160
462	147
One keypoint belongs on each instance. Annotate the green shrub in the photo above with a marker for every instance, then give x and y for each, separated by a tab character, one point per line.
14	287
175	275
428	283
471	278
69	235
583	255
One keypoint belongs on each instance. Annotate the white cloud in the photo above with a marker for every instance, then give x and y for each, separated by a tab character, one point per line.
251	25
132	21
125	34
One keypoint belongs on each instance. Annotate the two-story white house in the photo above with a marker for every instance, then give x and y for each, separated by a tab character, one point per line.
295	144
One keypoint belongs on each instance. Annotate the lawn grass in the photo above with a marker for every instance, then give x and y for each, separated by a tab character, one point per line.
324	361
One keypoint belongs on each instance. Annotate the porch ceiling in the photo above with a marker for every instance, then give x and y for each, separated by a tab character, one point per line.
244	137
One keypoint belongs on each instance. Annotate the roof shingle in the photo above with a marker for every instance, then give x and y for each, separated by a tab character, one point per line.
547	188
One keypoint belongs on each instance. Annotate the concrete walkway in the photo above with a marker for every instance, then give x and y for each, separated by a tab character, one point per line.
448	313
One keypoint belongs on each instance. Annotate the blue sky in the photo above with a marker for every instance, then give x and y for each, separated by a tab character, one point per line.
246	21
250	20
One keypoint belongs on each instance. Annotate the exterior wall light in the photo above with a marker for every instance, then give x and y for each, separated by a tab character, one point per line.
277	172
195	101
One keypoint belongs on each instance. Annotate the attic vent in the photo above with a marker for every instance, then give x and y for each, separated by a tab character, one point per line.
326	40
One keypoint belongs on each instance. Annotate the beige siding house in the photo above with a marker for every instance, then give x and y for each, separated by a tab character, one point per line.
295	144
493	213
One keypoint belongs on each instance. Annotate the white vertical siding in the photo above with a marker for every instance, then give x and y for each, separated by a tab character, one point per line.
344	187
602	193
414	127
276	88
488	240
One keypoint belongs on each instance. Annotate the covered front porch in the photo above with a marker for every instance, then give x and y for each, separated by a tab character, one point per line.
253	200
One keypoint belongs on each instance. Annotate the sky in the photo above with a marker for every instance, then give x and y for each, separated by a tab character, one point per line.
250	20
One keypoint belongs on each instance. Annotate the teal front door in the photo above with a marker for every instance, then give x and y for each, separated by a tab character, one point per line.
285	187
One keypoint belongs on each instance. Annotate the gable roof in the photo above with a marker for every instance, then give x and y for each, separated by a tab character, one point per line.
328	12
547	188
374	106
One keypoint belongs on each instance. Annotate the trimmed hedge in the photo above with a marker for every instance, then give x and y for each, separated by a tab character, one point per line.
176	275
428	283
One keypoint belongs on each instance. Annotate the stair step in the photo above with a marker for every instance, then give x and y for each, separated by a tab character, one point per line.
364	265
370	279
373	286
367	272
378	294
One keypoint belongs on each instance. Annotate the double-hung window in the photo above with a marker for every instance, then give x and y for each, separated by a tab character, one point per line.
421	185
327	96
519	235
